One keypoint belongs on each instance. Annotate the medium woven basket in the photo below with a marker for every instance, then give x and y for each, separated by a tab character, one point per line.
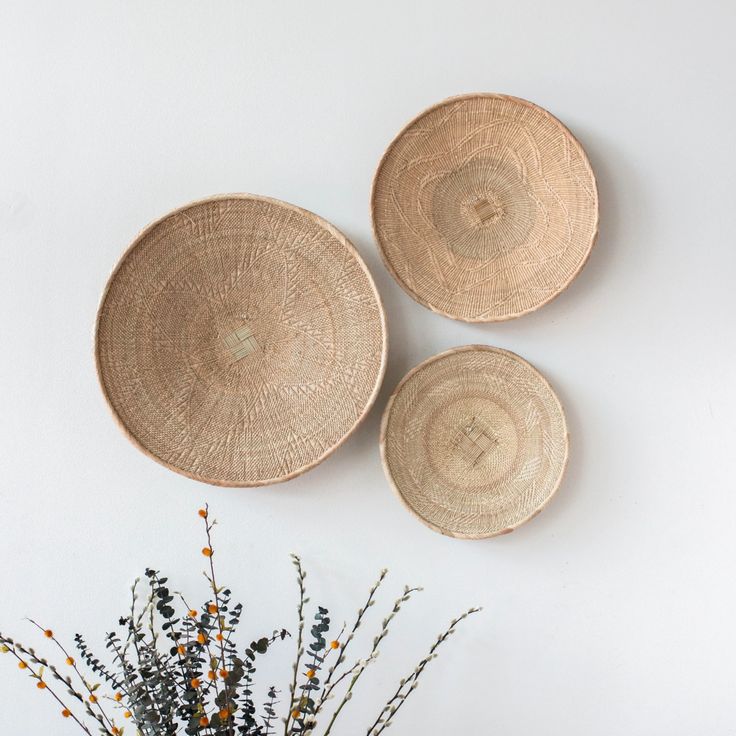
474	442
240	340
484	207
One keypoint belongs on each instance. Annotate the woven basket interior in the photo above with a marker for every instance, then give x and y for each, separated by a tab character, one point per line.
474	442
485	207
240	340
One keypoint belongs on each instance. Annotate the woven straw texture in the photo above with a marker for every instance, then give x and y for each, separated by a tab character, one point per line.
484	207
240	340
474	442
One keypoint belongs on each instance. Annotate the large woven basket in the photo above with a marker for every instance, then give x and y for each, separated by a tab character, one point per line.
474	442
240	340
484	207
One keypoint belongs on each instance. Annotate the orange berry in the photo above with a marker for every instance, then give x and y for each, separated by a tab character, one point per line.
204	721
192	613
41	685
224	714
203	513
295	713
212	608
211	675
92	698
311	674
22	665
181	649
334	644
195	683
201	638
118	697
127	714
207	552
223	673
66	713
219	637
48	634
70	661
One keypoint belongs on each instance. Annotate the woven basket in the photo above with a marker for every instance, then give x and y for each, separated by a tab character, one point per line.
240	340
474	442
484	207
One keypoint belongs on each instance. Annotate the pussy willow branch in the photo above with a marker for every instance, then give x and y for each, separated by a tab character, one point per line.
327	688
409	684
162	663
180	660
300	638
135	625
373	653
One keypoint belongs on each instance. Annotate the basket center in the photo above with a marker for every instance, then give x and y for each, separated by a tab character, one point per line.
487	209
474	441
240	343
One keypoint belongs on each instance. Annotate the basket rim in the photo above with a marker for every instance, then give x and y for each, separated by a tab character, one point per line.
384	157
280	203
386	418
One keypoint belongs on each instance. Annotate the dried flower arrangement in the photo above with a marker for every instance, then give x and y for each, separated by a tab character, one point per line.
172	673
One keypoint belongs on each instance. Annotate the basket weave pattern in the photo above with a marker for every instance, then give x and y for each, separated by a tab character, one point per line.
240	340
474	441
485	207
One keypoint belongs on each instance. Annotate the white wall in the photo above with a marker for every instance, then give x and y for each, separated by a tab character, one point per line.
610	613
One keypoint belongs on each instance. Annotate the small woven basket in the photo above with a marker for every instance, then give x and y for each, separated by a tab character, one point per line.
240	340
474	442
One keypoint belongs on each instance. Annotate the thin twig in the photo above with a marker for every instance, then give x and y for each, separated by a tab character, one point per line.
403	692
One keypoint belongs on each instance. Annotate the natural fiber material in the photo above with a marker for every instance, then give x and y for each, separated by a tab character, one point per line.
474	442
484	207
240	340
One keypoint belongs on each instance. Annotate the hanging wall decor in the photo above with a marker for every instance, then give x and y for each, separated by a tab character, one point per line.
484	207
474	442
240	340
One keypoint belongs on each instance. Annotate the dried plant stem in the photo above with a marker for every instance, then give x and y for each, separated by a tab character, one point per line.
13	647
328	686
360	666
201	691
409	684
299	640
84	682
228	699
134	626
167	690
270	713
162	664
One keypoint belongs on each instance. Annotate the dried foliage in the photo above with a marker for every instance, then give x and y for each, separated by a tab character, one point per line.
172	669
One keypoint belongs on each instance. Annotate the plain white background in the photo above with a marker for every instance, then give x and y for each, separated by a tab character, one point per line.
613	611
